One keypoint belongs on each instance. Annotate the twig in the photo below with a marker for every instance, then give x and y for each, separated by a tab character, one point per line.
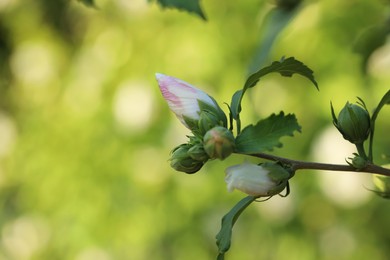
303	165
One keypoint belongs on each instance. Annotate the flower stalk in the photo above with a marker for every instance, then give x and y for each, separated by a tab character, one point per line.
303	165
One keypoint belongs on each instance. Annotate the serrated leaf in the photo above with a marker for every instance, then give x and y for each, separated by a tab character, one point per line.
225	234
286	67
191	6
265	135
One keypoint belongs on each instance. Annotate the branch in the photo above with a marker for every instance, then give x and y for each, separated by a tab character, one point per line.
303	165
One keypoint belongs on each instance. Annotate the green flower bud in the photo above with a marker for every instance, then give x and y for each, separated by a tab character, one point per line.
198	153
208	120
358	162
353	123
219	142
182	161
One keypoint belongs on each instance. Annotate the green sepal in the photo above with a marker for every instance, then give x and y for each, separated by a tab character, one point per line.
192	124
181	160
279	175
216	110
198	153
353	122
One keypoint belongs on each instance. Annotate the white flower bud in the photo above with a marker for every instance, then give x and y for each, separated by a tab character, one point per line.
267	179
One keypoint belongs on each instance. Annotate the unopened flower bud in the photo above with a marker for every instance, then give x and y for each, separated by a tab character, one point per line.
187	101
218	142
198	153
267	179
207	121
183	162
358	162
353	123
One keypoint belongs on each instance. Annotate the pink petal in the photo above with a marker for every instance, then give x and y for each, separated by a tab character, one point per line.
182	97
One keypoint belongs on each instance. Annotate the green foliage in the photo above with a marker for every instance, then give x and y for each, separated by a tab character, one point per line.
192	6
85	136
225	234
382	183
370	40
275	22
384	101
265	135
90	3
286	67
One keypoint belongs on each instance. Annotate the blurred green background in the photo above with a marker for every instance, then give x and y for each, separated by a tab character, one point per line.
85	134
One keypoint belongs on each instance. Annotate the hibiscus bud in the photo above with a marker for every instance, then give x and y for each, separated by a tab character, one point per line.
187	102
219	142
267	179
353	123
183	162
358	162
198	153
208	120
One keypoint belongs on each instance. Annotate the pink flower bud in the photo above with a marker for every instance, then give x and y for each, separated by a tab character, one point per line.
186	101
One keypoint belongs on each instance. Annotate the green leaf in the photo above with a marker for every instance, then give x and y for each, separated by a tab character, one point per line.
225	234
89	3
382	184
369	40
274	23
286	67
384	101
266	133
191	6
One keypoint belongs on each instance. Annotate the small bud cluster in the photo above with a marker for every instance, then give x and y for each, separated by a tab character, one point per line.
358	162
212	139
187	158
200	113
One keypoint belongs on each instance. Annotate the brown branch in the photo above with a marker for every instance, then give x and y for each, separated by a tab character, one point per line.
303	165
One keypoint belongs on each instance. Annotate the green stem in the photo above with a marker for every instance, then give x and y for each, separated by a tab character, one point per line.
303	165
238	124
370	153
361	151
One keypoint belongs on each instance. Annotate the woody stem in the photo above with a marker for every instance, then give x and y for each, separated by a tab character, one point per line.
304	165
